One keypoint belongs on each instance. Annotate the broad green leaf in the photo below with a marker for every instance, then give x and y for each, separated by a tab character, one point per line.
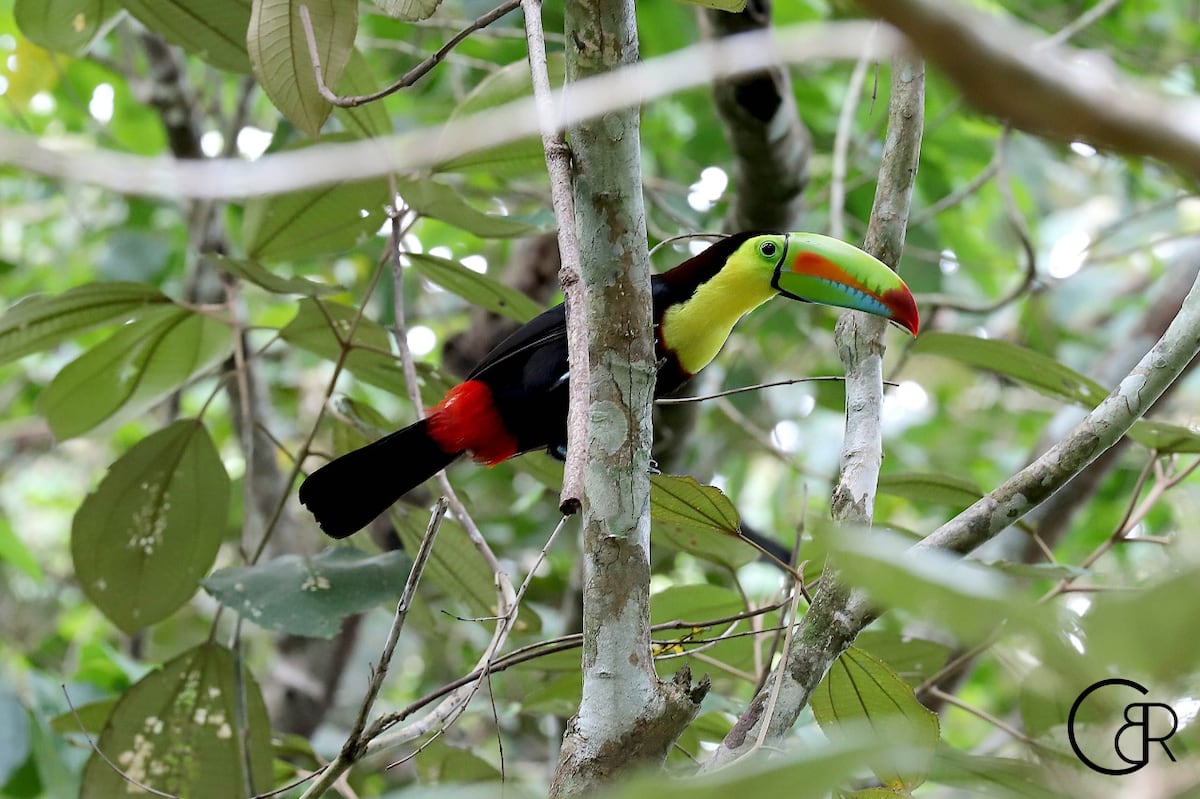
278	49
1166	438
940	489
477	289
14	731
65	26
305	224
409	10
1037	571
180	730
214	30
145	537
1126	629
698	519
369	119
133	369
440	762
509	83
541	467
311	330
862	690
913	659
698	604
556	694
455	566
38	323
979	775
430	198
93	715
254	272
13	551
1018	363
1050	377
733	6
934	585
295	595
804	772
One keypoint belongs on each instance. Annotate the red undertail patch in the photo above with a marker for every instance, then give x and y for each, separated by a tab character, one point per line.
466	420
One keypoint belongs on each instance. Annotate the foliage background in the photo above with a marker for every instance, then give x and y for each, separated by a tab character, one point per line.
1068	252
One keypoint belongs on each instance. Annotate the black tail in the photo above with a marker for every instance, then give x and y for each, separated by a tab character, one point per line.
347	493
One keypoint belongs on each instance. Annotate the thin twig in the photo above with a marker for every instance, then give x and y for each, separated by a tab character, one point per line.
123	774
570	275
757	387
408	78
841	140
355	744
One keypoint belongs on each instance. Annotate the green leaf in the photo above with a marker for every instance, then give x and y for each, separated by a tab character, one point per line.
1050	377
1001	777
475	288
133	369
295	595
455	567
1037	571
311	330
933	585
1018	363
180	730
214	30
440	762
939	489
913	659
65	26
369	119
14	731
804	772
430	198
254	272
1166	438
38	323
1126	628
509	83
409	10
278	49
698	519
313	222
143	539
733	6
14	551
862	690
93	715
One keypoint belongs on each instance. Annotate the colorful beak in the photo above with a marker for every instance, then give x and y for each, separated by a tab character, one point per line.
828	271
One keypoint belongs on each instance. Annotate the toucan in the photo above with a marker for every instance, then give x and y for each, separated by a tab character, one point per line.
515	399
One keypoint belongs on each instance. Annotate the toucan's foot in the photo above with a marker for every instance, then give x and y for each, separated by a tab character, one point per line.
557	451
653	467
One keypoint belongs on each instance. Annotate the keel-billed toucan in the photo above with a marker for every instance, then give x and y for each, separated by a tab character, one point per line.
515	400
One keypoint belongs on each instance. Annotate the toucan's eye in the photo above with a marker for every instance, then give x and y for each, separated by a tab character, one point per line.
768	249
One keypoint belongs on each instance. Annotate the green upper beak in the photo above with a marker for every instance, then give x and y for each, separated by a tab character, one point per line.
816	268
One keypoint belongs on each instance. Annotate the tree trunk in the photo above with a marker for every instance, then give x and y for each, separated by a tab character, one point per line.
627	716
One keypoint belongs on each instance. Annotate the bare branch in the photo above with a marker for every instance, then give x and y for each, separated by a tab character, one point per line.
408	78
1013	73
558	164
326	163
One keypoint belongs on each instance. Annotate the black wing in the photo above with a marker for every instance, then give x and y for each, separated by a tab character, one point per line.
549	328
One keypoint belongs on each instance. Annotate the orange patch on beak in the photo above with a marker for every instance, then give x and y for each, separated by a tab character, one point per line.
810	263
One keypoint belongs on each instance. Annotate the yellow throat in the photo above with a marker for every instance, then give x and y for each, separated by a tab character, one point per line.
696	330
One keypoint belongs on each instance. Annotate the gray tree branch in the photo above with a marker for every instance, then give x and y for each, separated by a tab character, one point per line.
836	615
627	716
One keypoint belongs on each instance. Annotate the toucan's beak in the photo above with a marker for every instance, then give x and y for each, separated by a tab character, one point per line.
828	271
